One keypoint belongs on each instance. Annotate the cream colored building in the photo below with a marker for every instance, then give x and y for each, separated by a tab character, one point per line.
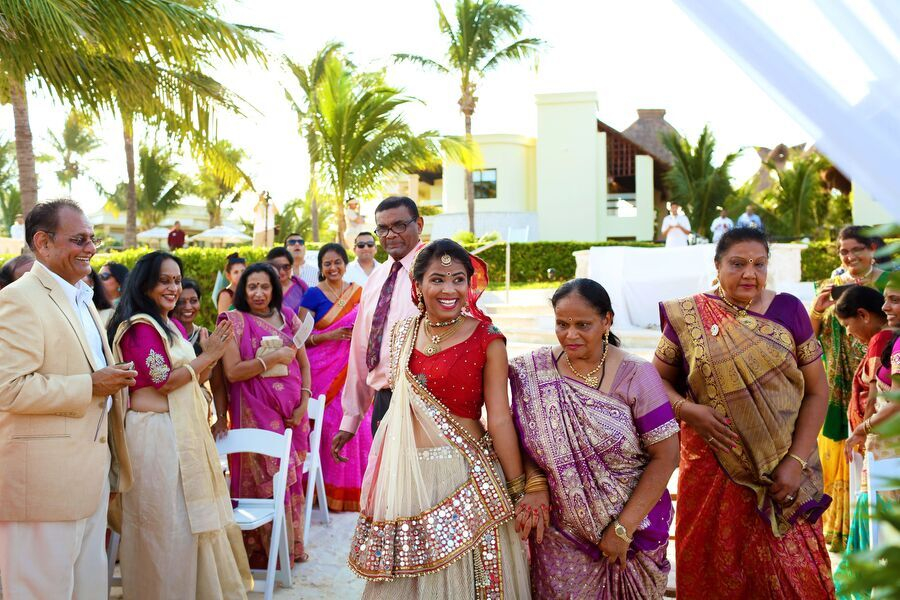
191	213
578	180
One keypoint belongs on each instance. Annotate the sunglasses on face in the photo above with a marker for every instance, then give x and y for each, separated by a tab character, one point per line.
283	268
105	276
296	242
361	245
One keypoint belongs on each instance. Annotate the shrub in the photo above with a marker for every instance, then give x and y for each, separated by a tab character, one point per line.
819	259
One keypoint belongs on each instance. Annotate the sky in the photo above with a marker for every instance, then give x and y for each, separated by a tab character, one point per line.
633	54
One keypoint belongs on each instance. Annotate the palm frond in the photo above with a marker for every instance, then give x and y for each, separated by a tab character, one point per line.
420	61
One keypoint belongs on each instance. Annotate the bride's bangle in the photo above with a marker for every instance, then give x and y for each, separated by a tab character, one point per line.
536	483
516	488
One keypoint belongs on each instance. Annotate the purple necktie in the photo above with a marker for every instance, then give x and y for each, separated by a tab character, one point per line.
379	319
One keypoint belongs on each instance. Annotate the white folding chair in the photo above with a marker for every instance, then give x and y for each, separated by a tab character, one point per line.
856	472
881	473
252	513
312	467
112	555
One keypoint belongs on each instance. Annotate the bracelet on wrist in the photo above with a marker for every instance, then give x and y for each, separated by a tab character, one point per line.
516	488
263	363
676	408
307	390
804	465
867	425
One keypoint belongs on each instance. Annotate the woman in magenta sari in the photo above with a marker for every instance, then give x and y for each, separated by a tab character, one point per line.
596	422
334	304
267	391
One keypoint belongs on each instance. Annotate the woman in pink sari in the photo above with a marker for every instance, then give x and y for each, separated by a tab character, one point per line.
334	304
262	396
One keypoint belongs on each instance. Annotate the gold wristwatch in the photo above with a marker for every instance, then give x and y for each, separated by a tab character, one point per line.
620	531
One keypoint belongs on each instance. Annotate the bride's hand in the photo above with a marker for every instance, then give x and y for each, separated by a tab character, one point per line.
533	512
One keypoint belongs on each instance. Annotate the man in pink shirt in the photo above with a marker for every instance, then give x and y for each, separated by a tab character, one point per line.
386	299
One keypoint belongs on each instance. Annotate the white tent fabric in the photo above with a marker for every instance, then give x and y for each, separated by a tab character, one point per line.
157	233
862	138
222	235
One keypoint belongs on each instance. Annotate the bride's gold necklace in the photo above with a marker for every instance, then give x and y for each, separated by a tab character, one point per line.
590	379
743	318
434	346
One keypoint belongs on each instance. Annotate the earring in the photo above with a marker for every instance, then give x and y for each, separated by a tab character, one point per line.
606	337
715	281
421	304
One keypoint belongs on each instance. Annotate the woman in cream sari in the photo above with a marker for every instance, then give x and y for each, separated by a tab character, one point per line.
179	538
742	369
435	519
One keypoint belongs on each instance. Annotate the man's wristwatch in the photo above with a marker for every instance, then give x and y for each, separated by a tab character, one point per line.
620	531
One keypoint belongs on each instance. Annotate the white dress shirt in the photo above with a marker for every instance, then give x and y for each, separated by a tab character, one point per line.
356	274
81	295
676	237
17	231
309	274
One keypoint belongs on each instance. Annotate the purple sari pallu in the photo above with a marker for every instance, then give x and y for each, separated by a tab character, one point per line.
591	445
265	403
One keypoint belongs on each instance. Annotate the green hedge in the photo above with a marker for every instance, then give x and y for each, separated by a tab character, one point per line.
819	259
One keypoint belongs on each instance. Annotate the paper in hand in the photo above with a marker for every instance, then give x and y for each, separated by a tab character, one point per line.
303	332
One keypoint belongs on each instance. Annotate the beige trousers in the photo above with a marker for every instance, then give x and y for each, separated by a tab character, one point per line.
55	560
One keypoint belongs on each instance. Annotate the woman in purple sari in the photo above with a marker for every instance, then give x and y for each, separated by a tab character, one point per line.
269	391
292	287
596	422
334	304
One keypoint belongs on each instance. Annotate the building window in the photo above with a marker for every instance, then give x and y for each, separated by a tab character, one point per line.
485	183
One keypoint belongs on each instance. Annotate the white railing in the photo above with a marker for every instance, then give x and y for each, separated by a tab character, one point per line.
621	205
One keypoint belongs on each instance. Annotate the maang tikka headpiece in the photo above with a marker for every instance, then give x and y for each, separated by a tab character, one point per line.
446	260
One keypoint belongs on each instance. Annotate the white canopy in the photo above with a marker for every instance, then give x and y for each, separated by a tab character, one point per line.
221	235
157	233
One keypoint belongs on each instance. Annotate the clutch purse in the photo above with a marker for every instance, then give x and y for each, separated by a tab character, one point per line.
268	345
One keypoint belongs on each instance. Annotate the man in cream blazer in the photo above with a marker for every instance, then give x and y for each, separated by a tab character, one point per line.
62	416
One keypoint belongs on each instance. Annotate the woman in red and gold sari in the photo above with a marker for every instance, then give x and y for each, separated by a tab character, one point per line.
435	518
744	375
334	304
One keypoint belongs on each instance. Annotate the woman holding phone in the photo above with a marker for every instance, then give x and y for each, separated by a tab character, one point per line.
842	357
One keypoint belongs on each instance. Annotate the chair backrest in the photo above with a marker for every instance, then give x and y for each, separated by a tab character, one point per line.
316	412
260	441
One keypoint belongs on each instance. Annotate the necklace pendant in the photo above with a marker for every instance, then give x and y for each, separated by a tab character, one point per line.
591	381
430	350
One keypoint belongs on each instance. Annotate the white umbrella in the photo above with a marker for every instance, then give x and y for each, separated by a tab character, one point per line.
157	233
222	235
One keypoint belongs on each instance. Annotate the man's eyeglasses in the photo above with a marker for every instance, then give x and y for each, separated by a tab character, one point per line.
362	245
295	242
398	228
80	240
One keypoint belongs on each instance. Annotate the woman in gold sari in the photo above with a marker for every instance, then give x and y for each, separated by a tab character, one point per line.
179	538
843	354
742	369
435	518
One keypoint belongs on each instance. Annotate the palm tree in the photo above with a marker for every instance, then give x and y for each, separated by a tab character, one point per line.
83	53
479	41
221	180
694	182
800	198
77	141
10	198
296	215
362	137
160	189
309	77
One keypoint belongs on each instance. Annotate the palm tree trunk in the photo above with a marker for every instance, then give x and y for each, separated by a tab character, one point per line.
342	225
312	193
24	147
131	205
470	184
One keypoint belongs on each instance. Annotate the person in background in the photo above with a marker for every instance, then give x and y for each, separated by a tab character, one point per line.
176	236
62	417
308	274
14	268
721	225
179	538
101	303
271	392
588	412
750	497
675	227
386	299
113	276
860	311
843	354
750	219
334	305
355	221
234	268
359	270
17	229
292	287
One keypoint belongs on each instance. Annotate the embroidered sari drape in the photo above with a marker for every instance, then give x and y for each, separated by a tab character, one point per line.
433	502
732	540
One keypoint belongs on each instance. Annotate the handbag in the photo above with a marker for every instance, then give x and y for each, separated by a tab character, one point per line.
268	345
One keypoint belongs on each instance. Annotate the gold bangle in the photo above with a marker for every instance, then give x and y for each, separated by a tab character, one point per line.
538	484
312	340
516	487
803	464
816	314
263	363
867	425
676	408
